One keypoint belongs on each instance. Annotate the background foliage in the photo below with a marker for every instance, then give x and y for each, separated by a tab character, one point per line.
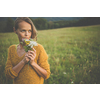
7	23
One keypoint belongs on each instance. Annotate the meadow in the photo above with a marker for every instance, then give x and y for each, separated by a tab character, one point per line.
74	54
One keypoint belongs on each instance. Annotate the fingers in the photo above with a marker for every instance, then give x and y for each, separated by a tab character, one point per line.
32	54
32	51
26	58
26	54
31	57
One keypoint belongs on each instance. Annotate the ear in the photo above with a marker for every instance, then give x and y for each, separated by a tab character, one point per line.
14	30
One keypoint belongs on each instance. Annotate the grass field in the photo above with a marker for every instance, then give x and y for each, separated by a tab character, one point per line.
74	54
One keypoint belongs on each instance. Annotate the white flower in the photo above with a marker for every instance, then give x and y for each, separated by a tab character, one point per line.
32	44
27	40
64	72
72	82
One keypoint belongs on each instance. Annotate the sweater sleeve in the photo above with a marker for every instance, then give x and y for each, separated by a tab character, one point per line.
43	61
9	72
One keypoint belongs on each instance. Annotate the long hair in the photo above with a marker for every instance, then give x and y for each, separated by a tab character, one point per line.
28	20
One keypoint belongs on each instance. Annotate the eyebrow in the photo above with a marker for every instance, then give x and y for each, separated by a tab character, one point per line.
25	29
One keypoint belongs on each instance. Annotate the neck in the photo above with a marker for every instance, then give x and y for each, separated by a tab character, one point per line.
21	46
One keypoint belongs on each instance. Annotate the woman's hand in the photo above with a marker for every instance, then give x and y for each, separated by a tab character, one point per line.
32	55
26	59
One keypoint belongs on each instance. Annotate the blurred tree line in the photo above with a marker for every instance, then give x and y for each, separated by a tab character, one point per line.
7	26
41	23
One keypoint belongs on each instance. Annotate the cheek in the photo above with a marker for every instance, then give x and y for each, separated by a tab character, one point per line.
30	34
20	36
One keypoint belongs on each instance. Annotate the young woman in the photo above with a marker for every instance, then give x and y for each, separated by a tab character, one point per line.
17	61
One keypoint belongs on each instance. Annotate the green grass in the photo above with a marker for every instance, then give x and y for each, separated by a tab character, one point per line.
74	54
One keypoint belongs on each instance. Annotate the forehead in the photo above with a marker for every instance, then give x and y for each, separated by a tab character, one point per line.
24	25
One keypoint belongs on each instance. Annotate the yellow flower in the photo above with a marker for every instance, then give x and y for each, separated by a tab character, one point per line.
27	42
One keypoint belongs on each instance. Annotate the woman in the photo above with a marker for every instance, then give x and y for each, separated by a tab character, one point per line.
17	62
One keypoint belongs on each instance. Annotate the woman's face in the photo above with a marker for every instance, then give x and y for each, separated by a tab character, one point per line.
24	30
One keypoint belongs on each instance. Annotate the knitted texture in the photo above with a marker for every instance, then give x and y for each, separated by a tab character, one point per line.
26	76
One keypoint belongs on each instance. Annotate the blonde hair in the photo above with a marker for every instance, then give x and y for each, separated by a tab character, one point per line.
28	20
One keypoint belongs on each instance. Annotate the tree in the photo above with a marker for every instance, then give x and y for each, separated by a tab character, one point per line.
50	25
9	25
56	25
40	23
2	25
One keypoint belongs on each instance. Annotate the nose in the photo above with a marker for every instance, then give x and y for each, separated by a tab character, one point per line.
26	33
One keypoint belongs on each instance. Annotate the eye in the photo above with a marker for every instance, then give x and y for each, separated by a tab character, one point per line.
22	30
30	31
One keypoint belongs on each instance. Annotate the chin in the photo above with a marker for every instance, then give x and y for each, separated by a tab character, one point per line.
26	38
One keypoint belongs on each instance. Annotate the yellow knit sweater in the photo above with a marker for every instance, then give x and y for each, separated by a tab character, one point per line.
26	76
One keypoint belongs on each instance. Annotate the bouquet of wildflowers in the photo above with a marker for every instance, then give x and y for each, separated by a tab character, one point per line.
28	44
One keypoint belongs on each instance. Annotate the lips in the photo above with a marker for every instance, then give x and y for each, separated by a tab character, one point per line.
24	39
